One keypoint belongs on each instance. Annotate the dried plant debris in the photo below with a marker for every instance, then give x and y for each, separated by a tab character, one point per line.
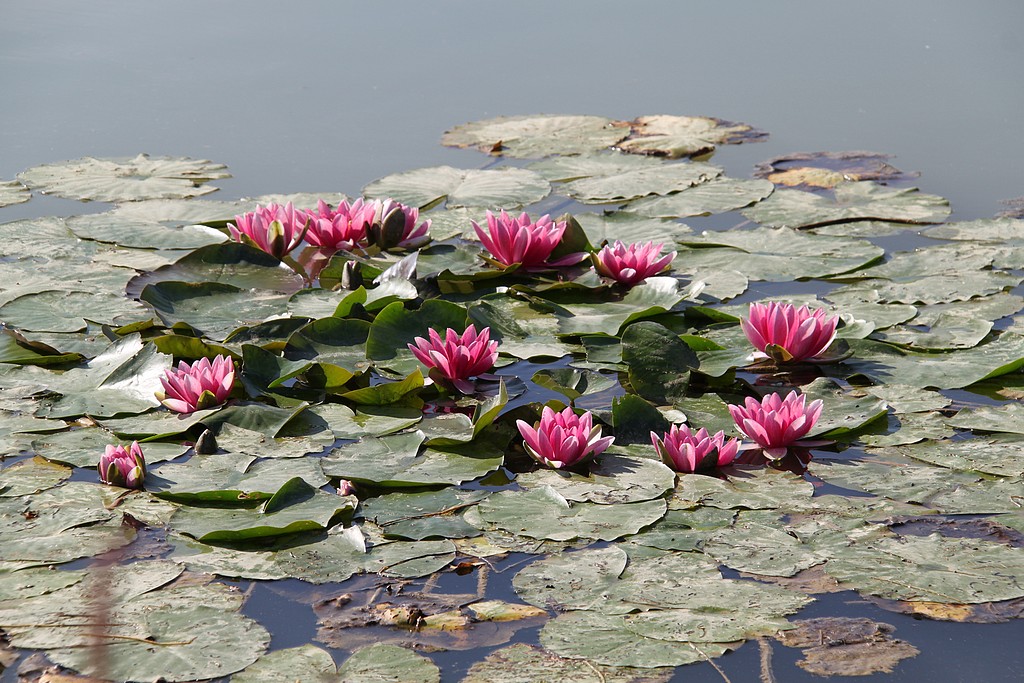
685	136
839	646
828	169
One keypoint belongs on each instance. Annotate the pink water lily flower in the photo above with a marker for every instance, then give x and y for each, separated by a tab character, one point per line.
563	439
787	333
686	451
340	229
457	356
775	423
197	386
273	228
405	234
631	264
119	467
519	240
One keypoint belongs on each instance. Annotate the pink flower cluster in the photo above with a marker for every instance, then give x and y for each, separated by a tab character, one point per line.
686	451
273	228
197	386
776	423
631	264
512	241
787	333
119	467
563	439
457	357
278	230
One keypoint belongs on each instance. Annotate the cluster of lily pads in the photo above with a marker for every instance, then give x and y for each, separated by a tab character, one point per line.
318	387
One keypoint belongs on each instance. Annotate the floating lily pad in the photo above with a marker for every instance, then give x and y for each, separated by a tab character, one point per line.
1001	454
545	514
396	460
852	201
761	549
998	230
13	192
306	662
125	179
106	227
63	311
657	180
536	136
566	168
418	516
777	255
610	641
655	296
679	136
716	196
613	479
507	187
957	570
522	663
388	663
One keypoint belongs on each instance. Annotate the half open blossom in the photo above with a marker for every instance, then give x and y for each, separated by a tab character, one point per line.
519	240
633	263
340	229
686	451
273	228
119	467
563	439
776	423
395	225
457	356
787	333
197	386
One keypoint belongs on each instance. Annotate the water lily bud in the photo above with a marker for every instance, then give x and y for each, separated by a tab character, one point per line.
119	467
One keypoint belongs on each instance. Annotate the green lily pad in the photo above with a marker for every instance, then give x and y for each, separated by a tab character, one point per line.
954	370
948	570
306	662
13	192
998	230
395	327
31	476
948	331
530	137
1000	454
716	196
507	187
231	263
396	460
545	514
610	641
125	179
107	227
627	227
851	201
383	662
216	309
522	663
760	549
566	168
656	180
655	296
523	329
778	255
83	447
659	361
613	479
295	507
63	311
419	516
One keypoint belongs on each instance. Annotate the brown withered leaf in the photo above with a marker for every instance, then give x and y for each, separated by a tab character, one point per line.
812	580
981	613
842	646
828	169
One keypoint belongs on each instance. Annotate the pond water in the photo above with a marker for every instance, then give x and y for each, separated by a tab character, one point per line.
328	96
